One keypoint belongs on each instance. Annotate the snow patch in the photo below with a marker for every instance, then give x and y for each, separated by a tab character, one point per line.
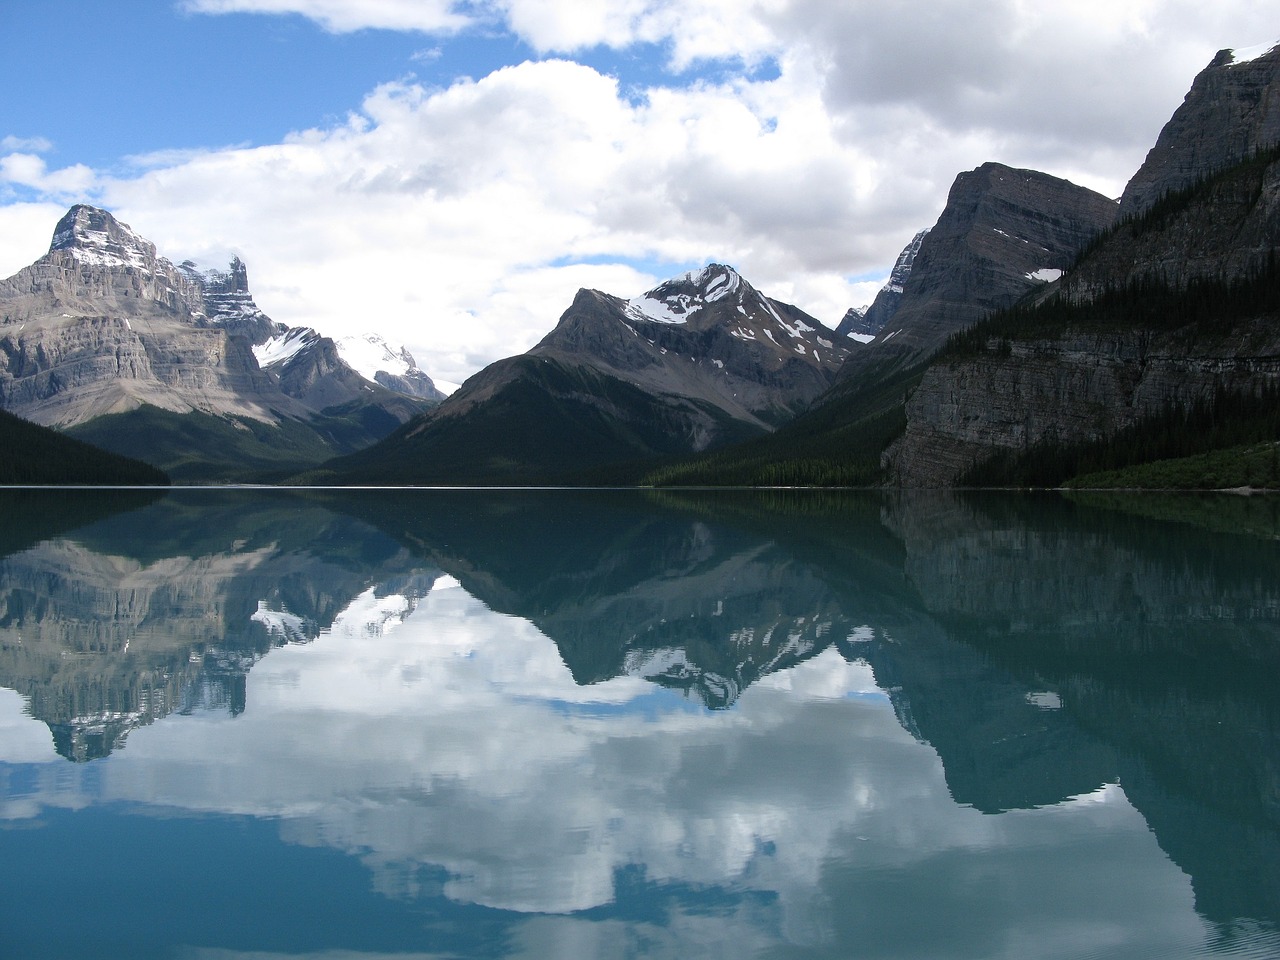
1249	54
675	309
1045	275
283	348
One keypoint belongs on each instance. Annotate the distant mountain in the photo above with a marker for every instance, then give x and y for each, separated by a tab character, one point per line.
699	361
104	338
392	366
870	321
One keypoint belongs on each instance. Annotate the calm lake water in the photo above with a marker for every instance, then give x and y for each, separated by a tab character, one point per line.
247	724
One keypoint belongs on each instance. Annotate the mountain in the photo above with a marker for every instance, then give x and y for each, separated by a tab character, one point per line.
104	338
1045	333
1003	233
1231	110
392	366
1159	344
872	320
697	362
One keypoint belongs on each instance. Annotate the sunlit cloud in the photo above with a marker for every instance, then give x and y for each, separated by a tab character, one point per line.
460	217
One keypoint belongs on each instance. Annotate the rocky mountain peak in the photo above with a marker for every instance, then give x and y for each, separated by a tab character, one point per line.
95	237
1231	110
869	321
235	279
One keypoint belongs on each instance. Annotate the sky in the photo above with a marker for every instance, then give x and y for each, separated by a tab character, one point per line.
448	173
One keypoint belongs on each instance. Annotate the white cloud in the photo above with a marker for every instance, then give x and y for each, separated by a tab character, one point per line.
29	170
28	144
443	218
343	16
457	219
26	230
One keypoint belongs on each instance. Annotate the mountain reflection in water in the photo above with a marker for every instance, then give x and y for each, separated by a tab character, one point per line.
643	724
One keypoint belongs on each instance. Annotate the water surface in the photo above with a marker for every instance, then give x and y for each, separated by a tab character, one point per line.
380	724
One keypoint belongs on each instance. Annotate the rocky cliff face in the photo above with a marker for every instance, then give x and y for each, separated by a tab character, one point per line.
101	325
1232	109
1070	388
1003	233
1073	385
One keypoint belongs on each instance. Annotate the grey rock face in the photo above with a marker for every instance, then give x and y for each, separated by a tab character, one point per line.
1231	110
101	324
1074	388
1003	233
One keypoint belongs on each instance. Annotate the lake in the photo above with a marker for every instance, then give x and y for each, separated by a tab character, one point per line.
427	723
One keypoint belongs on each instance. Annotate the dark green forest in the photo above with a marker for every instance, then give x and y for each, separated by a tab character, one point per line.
38	456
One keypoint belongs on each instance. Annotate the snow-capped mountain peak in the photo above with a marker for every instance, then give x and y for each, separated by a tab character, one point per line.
676	300
391	365
369	353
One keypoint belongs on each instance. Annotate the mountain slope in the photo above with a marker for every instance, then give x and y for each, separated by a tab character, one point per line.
36	455
698	362
1163	342
882	309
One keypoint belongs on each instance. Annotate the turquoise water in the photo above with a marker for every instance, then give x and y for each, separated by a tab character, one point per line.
372	724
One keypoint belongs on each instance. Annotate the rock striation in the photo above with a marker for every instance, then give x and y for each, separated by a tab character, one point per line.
1231	110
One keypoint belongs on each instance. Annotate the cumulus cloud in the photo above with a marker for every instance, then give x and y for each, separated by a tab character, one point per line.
460	219
439	217
29	170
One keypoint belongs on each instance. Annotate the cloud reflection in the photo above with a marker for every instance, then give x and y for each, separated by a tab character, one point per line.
434	733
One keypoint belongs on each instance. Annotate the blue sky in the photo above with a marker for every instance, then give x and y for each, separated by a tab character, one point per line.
449	173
